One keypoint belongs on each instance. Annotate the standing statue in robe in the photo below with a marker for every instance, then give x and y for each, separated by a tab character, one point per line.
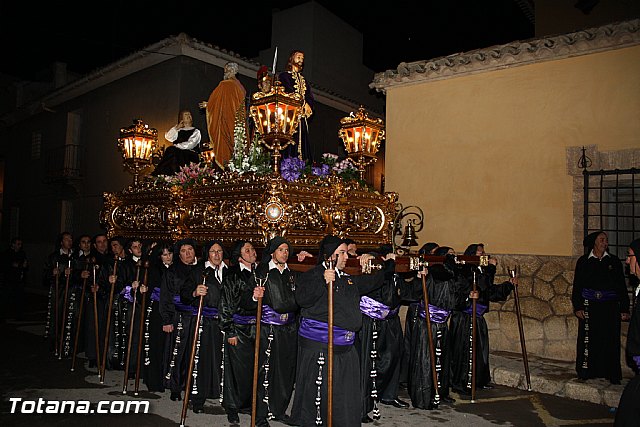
225	110
293	81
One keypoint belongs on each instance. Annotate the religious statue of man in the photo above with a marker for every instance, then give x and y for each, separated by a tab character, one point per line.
293	81
225	109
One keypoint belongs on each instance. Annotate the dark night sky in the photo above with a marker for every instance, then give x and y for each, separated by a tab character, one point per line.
394	31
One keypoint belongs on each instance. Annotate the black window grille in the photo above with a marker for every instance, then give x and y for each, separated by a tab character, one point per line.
612	204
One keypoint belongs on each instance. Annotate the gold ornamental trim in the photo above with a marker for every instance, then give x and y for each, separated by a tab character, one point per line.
231	206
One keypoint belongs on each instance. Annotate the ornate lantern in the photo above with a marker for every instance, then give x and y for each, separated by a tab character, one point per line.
137	144
277	115
362	137
208	154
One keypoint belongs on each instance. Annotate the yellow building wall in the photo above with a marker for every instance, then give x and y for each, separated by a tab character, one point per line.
484	155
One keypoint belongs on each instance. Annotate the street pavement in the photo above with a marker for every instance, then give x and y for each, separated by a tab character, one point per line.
30	372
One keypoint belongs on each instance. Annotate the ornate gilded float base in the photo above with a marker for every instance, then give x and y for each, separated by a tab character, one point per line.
251	207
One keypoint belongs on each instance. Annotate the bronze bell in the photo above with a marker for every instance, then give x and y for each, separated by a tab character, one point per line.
409	237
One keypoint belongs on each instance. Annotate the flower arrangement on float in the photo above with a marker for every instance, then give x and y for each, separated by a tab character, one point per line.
293	168
189	175
255	159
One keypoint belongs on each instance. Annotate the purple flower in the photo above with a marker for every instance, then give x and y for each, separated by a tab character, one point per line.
322	170
291	168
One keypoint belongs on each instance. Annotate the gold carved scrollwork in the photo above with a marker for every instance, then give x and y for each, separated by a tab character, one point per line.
231	207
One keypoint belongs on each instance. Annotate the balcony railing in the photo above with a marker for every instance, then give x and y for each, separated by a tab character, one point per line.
65	163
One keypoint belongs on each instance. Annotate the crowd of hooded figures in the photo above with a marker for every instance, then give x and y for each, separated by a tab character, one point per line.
183	318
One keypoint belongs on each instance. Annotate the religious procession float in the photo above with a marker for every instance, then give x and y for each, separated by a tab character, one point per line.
259	194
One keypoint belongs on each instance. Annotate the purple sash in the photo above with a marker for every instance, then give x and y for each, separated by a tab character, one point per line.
436	314
375	309
272	317
594	295
637	360
155	295
480	309
126	293
211	312
244	320
319	331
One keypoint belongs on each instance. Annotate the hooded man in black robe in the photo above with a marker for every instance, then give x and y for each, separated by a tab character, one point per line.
278	331
175	315
380	342
443	284
238	311
600	302
205	282
461	320
312	288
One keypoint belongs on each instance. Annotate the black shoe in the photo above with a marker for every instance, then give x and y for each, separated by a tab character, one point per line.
198	408
615	382
487	387
262	423
366	419
175	395
395	402
448	399
233	418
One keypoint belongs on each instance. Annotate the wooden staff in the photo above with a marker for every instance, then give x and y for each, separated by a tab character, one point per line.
432	351
256	352
187	391
125	382
108	325
330	266
64	308
473	341
55	302
94	289
523	345
79	322
141	326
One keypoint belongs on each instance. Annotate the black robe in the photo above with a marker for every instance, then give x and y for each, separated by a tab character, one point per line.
278	343
443	287
155	339
95	303
79	322
56	325
237	299
312	296
461	323
174	158
208	360
175	358
387	347
131	317
118	333
601	357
